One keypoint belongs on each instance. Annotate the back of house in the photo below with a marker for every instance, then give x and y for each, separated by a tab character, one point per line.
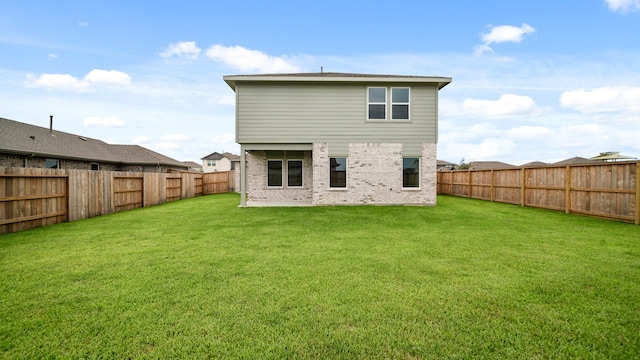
336	138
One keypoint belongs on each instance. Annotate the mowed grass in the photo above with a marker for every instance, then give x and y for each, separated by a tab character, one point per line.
202	278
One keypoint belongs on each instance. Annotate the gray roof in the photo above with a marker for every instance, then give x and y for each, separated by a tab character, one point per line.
218	156
21	138
576	161
490	165
231	80
534	164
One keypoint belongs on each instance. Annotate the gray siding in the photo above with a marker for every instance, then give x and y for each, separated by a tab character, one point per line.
333	113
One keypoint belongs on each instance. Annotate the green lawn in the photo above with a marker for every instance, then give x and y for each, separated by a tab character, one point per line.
202	278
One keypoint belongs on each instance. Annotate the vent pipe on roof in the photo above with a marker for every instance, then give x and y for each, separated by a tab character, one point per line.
50	124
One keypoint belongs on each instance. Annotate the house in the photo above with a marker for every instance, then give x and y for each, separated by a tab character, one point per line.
337	138
193	166
29	146
533	164
444	165
489	165
220	162
576	160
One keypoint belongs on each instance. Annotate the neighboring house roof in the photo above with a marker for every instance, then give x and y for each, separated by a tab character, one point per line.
489	165
534	164
611	156
231	80
576	161
218	156
444	163
193	165
21	138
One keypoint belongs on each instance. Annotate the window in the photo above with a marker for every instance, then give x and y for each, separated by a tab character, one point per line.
338	172
399	103
211	163
274	173
294	173
95	166
410	172
52	164
377	98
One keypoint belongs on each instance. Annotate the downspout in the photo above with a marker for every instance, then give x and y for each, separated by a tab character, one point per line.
243	177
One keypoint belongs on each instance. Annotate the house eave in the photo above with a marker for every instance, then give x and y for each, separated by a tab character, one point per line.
232	80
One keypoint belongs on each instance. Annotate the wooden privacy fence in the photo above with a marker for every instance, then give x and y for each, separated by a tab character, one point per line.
609	190
32	198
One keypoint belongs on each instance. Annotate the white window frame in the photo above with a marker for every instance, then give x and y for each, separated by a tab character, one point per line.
419	173
281	174
346	174
408	103
386	100
301	173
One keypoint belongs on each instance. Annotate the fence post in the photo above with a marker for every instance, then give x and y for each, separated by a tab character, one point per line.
638	193
493	178
567	199
523	183
469	174
451	187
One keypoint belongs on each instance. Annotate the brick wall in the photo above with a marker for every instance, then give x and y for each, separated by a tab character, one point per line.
374	176
257	189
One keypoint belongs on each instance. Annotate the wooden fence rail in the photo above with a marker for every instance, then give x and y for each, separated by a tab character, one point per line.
608	190
32	198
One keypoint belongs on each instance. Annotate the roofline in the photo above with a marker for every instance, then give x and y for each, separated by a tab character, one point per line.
232	80
67	157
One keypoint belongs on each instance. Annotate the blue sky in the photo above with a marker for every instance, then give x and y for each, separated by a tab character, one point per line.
532	80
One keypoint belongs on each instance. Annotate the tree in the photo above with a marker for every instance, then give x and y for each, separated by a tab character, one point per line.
464	165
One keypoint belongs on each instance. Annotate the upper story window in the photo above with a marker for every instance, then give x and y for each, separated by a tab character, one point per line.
399	103
378	103
377	99
211	163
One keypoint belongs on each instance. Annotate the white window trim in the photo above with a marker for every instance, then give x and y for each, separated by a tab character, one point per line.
282	174
302	174
346	165
385	103
419	187
399	103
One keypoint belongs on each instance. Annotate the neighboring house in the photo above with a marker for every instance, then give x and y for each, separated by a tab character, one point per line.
336	138
220	162
445	165
576	161
534	164
490	165
193	166
29	146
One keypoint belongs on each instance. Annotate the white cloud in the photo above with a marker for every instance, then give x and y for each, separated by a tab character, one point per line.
605	99
247	60
83	23
53	56
69	82
102	122
507	105
58	81
623	6
502	33
175	137
223	138
488	149
185	49
108	77
528	133
140	140
226	100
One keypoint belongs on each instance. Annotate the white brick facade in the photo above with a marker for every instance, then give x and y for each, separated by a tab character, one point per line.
374	176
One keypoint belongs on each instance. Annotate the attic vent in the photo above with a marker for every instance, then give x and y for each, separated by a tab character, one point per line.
82	138
32	137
